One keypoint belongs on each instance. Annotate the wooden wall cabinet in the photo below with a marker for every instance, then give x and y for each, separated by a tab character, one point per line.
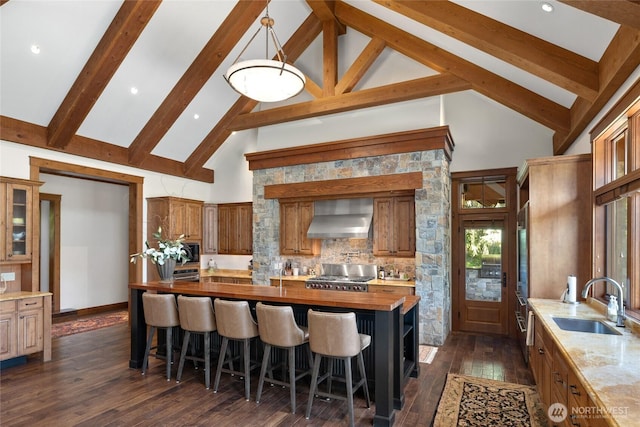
295	218
235	228
176	216
541	362
394	231
558	192
210	229
20	232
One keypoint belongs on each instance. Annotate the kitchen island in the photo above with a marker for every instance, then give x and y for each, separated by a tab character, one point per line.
392	318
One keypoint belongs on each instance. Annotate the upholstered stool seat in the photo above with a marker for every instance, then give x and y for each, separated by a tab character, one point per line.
196	317
160	312
235	322
278	328
335	335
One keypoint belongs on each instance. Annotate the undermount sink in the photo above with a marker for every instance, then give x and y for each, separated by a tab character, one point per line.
584	325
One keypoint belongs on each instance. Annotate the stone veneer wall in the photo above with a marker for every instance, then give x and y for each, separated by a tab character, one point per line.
433	236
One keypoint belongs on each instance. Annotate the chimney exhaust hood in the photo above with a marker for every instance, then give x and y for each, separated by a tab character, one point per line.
341	218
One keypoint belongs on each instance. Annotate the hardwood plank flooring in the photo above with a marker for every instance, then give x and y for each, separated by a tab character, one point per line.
88	383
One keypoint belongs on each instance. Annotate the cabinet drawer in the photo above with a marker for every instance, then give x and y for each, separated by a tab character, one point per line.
30	303
398	290
7	307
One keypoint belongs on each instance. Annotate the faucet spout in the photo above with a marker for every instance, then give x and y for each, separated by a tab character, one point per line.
619	291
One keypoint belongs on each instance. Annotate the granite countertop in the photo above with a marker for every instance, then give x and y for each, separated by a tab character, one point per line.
222	272
608	366
22	294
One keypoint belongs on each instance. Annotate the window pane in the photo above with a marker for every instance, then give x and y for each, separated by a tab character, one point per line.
619	156
489	193
617	245
483	253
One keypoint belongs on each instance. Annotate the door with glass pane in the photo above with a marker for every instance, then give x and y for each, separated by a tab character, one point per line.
482	282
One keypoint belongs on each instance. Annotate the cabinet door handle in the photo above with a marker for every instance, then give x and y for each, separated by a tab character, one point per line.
30	303
504	279
541	350
573	421
574	390
557	377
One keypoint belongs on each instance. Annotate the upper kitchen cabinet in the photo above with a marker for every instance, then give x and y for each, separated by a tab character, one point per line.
295	218
555	196
210	229
235	228
20	232
176	216
394	230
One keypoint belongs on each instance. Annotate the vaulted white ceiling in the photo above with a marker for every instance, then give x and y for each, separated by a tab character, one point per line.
65	88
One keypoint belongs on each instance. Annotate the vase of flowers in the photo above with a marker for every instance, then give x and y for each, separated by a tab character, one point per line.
167	254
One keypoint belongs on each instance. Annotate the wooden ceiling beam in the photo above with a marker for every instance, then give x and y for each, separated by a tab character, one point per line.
513	96
624	12
618	62
193	80
124	30
360	66
383	95
295	46
329	58
323	9
33	135
559	66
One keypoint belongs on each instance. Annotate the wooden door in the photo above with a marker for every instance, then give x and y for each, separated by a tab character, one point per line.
305	216
224	229
482	280
382	223
193	221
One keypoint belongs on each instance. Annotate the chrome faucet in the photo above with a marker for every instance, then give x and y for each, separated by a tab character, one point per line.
621	315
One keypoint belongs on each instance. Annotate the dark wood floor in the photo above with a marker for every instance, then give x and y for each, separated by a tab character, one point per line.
89	383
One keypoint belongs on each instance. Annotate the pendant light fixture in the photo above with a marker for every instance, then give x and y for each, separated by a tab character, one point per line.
265	80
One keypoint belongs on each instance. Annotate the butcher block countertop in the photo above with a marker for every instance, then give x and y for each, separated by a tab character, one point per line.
608	365
353	300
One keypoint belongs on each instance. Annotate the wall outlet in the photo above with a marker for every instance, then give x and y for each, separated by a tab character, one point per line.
8	277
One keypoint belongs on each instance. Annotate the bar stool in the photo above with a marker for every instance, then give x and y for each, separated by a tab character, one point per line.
235	323
278	328
196	317
160	312
335	335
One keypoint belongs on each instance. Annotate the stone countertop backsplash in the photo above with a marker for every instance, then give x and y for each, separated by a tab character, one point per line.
608	366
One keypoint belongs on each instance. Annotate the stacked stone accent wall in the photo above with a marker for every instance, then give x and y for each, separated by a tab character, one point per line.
433	228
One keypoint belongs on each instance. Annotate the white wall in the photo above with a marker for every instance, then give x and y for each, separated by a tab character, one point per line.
94	230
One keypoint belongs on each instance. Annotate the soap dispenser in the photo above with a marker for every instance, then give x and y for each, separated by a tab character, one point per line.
612	308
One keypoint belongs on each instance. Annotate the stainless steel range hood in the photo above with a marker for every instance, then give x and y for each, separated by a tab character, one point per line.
342	218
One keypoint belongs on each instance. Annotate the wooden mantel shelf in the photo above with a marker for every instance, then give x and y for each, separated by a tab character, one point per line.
380	145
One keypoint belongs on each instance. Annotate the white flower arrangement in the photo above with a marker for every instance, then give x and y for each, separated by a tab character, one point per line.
167	249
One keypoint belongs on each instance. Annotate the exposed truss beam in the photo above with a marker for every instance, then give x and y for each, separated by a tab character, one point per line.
360	66
126	27
383	95
624	12
560	66
323	9
520	99
618	62
34	135
206	63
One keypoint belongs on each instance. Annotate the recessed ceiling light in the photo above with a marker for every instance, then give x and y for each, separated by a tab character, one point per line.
196	116
134	90
547	7
35	49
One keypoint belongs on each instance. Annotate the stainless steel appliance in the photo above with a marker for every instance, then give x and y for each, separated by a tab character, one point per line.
187	275
522	293
343	277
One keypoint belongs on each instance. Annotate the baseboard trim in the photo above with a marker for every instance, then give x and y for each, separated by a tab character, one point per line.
72	314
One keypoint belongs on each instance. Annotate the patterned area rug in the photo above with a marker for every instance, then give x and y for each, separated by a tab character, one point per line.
427	353
469	401
88	324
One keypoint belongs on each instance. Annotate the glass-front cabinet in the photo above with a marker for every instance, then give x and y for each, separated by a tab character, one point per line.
17	222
